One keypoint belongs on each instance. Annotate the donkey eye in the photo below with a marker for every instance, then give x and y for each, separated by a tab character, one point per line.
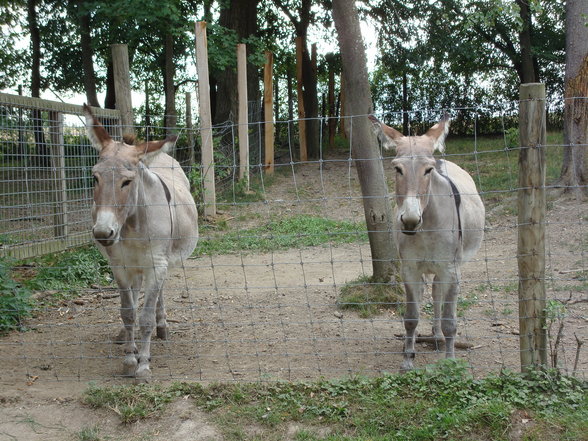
125	183
398	170
95	179
428	170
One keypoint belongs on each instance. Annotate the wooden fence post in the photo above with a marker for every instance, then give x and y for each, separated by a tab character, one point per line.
301	112
205	119
531	230
122	87
268	110
243	130
58	165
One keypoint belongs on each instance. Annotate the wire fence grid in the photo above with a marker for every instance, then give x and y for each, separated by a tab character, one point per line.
272	308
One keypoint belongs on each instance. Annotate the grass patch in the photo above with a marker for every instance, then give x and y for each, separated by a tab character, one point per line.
369	298
63	274
15	300
67	272
494	165
285	233
449	403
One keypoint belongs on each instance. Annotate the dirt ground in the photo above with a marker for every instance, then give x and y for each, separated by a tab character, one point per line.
274	316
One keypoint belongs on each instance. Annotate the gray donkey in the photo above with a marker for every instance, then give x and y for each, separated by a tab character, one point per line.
438	224
145	220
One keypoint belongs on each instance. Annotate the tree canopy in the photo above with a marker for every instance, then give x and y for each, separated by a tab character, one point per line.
430	55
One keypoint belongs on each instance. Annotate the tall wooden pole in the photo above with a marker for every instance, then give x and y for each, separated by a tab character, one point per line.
243	114
531	221
205	120
301	112
268	111
122	87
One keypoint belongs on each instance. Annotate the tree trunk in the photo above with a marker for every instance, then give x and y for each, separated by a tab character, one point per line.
311	106
370	170
89	78
41	158
171	116
529	72
573	172
240	16
110	98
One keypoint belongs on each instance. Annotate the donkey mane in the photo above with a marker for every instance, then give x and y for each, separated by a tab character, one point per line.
130	139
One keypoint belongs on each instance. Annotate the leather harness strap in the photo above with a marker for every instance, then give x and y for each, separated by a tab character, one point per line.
456	195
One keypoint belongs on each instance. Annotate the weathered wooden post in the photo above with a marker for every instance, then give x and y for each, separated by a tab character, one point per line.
301	112
58	164
122	87
531	221
243	131
205	119
268	109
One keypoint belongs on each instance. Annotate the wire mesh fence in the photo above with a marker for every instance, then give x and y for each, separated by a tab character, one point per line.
264	296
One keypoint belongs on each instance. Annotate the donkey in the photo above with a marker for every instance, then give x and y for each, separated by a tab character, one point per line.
145	220
438	224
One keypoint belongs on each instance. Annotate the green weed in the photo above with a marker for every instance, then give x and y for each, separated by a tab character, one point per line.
292	232
449	401
15	300
89	434
70	270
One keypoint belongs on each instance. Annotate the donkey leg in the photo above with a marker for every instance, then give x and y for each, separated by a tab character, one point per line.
414	287
437	294
449	316
161	318
147	321
136	288
128	315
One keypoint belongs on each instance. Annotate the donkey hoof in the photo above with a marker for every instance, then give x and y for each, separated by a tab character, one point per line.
407	363
143	375
130	365
162	332
406	367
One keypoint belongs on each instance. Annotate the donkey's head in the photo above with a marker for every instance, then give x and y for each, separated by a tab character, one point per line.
414	164
115	178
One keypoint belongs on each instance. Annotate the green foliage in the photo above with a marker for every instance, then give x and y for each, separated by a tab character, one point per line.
70	270
284	233
89	434
15	300
131	403
511	138
449	402
496	169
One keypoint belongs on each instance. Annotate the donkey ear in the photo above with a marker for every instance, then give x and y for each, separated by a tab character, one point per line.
386	134
98	135
150	149
439	132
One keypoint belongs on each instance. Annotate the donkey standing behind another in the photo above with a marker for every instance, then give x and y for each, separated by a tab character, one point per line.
144	220
438	224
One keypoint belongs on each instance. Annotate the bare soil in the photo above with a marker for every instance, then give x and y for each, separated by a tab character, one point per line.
274	316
